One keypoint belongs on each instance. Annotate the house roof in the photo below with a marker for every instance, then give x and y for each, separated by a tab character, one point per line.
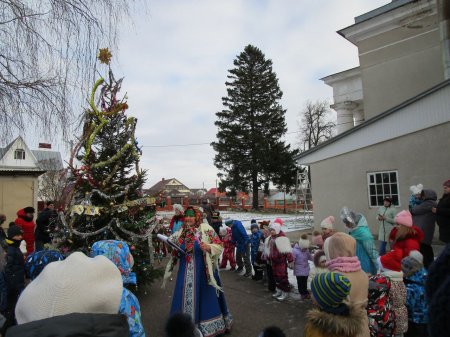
215	192
423	121
44	160
4	150
160	184
49	160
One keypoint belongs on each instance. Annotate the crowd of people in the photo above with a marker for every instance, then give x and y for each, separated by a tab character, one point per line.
398	289
360	290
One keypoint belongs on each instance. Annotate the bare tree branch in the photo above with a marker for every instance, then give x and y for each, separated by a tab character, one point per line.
47	58
315	125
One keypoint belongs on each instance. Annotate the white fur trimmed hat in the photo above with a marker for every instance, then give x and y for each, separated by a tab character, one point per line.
303	242
416	189
78	284
178	207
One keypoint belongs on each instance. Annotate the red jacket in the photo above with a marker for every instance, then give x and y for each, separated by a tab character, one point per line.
28	226
227	243
408	244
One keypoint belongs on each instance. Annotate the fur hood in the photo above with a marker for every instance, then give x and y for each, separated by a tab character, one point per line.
283	245
321	323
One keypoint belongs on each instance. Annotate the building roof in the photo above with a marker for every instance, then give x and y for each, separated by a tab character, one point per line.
381	10
49	160
42	160
388	17
159	186
399	123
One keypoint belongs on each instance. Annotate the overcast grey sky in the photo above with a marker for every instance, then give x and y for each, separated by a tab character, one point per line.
176	56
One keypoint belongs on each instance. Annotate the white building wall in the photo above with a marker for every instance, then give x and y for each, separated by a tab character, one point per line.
420	157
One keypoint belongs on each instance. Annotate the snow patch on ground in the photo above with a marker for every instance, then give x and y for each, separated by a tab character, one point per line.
292	222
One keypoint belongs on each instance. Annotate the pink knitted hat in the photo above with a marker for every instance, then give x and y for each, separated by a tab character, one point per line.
327	223
279	221
276	227
404	218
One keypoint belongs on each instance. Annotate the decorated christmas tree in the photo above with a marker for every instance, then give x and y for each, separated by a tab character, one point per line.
106	200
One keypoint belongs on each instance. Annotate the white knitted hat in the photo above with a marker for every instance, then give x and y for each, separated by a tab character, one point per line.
78	284
276	227
303	242
416	189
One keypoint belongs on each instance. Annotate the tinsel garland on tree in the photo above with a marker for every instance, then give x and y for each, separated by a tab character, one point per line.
106	200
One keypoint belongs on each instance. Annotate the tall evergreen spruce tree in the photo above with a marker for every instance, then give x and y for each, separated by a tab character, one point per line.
106	201
249	148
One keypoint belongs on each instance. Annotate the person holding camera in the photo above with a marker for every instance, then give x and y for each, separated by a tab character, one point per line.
43	221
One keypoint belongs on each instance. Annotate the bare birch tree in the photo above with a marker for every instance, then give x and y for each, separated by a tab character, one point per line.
47	57
53	183
315	125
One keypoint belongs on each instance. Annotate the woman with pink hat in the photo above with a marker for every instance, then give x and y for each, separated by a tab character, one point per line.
405	236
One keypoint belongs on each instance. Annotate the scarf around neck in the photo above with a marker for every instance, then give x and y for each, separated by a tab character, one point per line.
188	237
344	264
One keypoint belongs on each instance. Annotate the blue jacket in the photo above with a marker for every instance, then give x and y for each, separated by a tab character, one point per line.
119	253
255	239
416	302
239	236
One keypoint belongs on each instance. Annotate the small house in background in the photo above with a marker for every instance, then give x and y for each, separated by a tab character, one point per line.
172	188
393	115
214	193
20	172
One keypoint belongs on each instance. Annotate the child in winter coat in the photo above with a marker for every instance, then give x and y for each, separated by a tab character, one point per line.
405	236
379	307
255	239
301	265
414	198
228	249
335	316
390	266
340	250
327	226
14	273
35	262
119	253
320	266
414	277
25	222
178	219
278	252
317	239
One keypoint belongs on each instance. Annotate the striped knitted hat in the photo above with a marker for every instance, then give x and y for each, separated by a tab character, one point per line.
329	290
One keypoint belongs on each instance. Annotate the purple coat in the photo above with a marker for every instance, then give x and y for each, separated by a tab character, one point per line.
301	258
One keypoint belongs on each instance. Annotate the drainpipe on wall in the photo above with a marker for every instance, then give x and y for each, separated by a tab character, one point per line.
443	8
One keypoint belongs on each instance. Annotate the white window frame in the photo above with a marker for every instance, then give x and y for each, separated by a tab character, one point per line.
21	152
383	194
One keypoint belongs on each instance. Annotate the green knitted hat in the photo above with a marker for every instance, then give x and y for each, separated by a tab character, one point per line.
330	289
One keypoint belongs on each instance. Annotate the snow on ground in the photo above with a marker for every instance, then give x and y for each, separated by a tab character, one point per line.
292	221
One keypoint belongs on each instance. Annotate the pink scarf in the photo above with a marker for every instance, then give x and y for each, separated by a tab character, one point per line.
344	264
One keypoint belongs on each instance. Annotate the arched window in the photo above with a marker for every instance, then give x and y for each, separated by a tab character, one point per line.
19	154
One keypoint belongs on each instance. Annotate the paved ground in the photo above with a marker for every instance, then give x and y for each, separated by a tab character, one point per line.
251	305
249	302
